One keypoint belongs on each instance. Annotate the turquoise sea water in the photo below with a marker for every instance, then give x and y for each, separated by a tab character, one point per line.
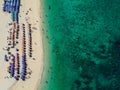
82	45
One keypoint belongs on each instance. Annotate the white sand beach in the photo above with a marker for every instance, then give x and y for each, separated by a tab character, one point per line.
29	13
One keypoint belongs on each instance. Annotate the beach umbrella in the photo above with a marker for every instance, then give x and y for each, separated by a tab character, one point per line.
23	78
16	78
5	58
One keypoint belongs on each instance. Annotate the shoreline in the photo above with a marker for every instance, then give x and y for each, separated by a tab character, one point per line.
44	84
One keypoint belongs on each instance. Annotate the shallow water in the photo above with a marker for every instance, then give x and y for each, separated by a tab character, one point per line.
82	45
